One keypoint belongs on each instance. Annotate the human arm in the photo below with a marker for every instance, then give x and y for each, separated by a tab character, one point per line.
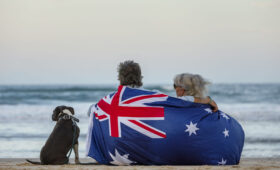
207	100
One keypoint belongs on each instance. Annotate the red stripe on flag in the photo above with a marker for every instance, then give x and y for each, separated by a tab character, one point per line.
148	128
140	112
100	117
143	97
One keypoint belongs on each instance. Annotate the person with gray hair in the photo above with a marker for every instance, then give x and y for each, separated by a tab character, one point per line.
192	87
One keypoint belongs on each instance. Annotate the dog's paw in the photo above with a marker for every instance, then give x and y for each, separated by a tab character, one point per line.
77	161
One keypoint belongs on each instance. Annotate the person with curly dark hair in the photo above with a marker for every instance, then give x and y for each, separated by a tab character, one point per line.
130	74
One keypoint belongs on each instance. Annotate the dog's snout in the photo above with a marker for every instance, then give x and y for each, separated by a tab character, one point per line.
71	110
62	109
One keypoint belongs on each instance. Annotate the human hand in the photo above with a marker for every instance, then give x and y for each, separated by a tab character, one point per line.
213	105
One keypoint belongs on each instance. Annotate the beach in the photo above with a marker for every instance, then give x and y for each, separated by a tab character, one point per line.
25	118
147	84
246	163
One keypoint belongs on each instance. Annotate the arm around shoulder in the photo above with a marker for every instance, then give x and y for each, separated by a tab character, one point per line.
207	100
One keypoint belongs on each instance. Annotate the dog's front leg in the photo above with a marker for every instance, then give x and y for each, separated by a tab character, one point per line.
76	146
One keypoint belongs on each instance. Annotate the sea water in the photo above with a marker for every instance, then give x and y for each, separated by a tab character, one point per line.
25	114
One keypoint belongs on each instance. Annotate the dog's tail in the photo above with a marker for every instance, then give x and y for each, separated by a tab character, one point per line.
33	162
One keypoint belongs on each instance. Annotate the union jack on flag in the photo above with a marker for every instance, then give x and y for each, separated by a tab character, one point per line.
130	111
137	126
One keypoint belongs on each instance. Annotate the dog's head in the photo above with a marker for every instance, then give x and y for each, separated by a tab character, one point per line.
62	110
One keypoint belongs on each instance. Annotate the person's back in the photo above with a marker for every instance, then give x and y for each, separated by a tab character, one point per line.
137	126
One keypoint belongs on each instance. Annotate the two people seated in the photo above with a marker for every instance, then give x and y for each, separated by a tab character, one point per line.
190	87
143	127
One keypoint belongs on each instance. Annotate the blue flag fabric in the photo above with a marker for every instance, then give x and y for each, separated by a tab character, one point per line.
136	126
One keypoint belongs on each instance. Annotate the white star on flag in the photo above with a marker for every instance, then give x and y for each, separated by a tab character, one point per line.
223	162
120	160
208	110
225	132
225	116
191	128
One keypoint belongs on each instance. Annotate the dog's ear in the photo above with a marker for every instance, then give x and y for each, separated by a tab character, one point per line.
56	112
71	110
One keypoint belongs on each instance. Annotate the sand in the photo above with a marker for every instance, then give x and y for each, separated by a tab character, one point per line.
247	163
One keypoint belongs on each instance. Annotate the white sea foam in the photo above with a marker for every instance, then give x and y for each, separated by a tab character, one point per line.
32	113
252	111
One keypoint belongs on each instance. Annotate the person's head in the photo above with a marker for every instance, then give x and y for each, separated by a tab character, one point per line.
129	74
187	84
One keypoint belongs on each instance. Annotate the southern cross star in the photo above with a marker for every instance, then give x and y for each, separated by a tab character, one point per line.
208	110
191	128
223	162
225	132
225	116
120	159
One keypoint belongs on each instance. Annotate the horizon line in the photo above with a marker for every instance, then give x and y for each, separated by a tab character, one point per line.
116	84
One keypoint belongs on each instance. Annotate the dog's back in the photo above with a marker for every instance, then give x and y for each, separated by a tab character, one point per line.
59	142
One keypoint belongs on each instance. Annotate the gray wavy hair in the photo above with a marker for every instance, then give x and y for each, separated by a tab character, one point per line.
130	74
193	84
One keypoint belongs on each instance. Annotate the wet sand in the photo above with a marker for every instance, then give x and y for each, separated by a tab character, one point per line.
247	163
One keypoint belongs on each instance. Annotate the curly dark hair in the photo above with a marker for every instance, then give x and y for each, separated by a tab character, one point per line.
130	74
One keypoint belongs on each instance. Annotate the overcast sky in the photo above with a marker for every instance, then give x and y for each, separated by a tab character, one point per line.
83	41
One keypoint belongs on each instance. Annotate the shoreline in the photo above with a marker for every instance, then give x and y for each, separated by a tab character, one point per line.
246	163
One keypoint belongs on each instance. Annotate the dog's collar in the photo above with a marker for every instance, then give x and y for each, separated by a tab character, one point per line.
68	117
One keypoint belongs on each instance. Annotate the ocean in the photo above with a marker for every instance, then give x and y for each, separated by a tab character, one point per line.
25	114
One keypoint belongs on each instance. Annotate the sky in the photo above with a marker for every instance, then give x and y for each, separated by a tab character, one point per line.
83	41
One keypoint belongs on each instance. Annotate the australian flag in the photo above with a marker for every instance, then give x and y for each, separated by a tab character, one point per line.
137	126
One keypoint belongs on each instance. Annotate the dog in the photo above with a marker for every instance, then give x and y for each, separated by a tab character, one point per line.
63	137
